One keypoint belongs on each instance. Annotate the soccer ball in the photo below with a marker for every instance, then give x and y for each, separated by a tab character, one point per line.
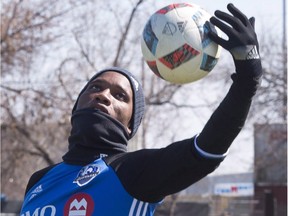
175	44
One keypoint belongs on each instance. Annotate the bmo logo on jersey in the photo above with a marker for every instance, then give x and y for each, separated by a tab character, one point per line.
80	204
42	211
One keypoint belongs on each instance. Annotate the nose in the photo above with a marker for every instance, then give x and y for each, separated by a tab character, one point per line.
104	97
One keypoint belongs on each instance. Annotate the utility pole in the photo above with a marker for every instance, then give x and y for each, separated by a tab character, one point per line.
284	47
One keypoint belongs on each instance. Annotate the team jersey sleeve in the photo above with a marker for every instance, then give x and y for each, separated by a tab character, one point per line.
152	174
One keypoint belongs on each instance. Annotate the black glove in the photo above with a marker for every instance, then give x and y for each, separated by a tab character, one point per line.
242	43
242	40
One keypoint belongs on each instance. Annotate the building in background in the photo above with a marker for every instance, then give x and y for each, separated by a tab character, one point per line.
270	167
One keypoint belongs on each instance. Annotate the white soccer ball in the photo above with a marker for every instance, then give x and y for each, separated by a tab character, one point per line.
175	44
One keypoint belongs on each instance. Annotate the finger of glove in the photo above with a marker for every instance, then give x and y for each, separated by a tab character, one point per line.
252	22
237	13
233	21
214	37
222	26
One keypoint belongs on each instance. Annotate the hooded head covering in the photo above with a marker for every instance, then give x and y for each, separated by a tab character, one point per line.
138	97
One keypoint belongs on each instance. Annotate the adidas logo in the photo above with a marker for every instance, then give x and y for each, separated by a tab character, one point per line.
181	26
253	54
38	189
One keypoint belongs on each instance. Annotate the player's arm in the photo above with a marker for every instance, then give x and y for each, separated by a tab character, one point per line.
229	118
150	175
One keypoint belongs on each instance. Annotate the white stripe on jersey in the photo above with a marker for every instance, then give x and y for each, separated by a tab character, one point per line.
145	209
139	209
132	207
136	208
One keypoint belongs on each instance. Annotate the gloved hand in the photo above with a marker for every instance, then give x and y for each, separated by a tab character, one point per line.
242	40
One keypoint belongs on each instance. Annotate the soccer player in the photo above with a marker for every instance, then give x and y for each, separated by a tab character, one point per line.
99	177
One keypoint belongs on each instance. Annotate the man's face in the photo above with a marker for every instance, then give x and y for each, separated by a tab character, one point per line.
111	93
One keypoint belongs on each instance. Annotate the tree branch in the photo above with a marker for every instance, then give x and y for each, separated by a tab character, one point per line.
125	33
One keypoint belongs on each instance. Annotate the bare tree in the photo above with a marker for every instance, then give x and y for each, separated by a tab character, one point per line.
271	105
24	29
31	106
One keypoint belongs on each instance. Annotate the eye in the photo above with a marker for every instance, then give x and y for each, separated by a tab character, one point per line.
121	96
95	87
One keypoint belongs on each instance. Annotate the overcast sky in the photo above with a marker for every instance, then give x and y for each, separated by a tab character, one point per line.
268	13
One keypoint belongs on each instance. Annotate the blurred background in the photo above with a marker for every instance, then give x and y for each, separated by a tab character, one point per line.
49	49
